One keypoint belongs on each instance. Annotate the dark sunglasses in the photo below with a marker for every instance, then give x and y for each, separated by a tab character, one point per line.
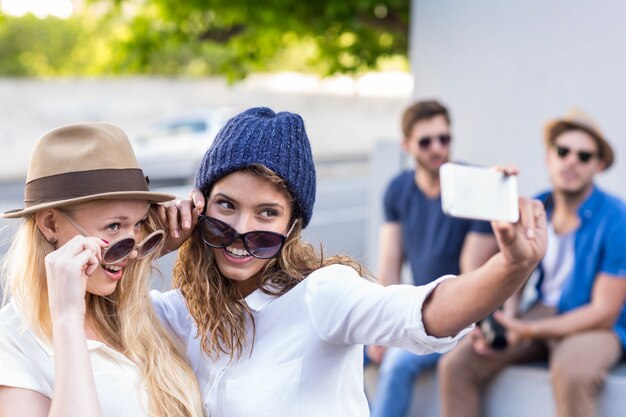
425	141
260	244
120	248
583	156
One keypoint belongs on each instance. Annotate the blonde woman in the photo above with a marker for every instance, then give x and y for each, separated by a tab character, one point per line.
279	331
79	336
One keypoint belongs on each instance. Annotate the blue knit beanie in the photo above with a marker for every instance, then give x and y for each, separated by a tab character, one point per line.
259	136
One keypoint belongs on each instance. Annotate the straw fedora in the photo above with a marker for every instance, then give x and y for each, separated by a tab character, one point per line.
83	162
575	118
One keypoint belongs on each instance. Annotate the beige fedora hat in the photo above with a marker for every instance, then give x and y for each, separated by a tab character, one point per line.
577	119
83	162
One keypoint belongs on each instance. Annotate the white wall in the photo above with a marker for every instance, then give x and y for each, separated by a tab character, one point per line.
504	67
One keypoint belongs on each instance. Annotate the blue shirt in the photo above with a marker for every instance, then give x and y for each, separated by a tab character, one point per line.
431	241
599	247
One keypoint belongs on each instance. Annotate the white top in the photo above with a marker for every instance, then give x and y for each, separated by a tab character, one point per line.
557	265
28	362
308	350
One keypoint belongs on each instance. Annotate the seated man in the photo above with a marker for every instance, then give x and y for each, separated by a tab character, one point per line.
578	321
418	232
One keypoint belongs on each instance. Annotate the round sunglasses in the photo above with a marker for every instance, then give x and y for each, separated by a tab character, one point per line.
121	248
261	244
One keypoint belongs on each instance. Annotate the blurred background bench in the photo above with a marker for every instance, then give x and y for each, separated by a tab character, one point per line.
519	391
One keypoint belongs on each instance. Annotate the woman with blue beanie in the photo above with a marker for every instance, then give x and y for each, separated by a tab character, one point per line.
278	330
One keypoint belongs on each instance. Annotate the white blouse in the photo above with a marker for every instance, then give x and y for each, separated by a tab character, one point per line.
307	358
28	362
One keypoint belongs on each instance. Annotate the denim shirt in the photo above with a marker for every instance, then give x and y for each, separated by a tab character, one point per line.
599	247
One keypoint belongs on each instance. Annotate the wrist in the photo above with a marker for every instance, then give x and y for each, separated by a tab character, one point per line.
68	321
516	266
68	334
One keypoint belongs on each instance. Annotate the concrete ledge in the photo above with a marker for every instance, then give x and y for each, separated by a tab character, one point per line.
519	391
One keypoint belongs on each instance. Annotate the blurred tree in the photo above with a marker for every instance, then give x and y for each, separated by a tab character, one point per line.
30	46
200	37
234	37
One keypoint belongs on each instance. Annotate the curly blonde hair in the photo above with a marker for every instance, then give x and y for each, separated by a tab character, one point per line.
214	301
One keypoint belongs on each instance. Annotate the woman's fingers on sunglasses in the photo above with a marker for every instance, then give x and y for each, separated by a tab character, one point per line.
187	213
168	214
76	246
92	262
161	212
93	244
172	219
180	218
176	214
197	198
103	244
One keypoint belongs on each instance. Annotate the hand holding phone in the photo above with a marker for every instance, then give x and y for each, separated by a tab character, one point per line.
494	333
479	193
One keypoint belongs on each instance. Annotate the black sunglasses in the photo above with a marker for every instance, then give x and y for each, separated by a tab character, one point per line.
258	243
120	248
583	156
425	141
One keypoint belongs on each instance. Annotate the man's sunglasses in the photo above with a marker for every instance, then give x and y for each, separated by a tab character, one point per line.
425	141
120	248
259	243
583	156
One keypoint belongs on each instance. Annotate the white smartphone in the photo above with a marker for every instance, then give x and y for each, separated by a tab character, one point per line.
479	193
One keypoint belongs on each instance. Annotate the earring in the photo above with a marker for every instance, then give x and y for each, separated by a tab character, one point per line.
53	240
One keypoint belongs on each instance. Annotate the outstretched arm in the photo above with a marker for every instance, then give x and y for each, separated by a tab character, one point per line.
458	302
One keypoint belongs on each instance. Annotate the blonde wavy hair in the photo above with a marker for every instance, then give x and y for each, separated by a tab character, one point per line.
125	319
214	301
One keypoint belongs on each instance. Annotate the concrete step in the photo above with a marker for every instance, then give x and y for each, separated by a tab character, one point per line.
519	391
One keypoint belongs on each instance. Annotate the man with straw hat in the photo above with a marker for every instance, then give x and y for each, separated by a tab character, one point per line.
576	318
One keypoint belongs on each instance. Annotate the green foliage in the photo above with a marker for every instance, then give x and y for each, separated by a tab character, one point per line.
53	47
29	46
327	36
198	37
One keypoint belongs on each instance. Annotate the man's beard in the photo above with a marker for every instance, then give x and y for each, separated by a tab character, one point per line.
575	195
433	173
